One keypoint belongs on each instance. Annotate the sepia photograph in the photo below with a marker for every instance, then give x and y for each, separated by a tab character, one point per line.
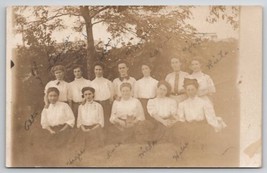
134	86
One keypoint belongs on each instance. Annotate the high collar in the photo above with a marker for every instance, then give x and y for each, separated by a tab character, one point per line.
126	77
77	79
90	102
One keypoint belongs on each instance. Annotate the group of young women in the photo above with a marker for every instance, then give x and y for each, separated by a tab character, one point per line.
145	107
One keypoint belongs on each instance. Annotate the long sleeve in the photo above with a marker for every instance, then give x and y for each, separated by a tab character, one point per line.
151	107
211	86
136	88
113	111
79	118
69	92
115	86
70	119
44	123
100	115
111	89
180	112
173	105
140	111
211	117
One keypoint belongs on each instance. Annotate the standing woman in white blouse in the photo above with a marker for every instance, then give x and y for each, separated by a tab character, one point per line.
163	110
103	91
58	71
146	87
206	86
126	113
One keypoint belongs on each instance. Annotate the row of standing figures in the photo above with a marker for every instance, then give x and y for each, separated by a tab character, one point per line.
145	106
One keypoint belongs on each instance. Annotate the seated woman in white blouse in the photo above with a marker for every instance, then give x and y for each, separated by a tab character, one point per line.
90	113
128	111
58	116
196	109
163	108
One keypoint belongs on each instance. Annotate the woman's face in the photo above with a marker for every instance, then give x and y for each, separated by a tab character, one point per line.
191	90
77	73
146	70
59	74
162	91
175	64
88	95
195	66
98	71
52	97
123	69
126	93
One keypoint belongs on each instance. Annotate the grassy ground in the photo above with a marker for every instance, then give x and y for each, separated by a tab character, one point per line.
35	147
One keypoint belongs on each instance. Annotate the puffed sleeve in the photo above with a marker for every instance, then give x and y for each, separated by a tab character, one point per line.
44	122
136	88
210	115
211	86
113	112
100	115
69	91
133	86
151	107
79	118
140	111
111	88
70	119
180	112
47	86
173	107
115	86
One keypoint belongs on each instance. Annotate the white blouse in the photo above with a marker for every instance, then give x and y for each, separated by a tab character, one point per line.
163	107
127	108
170	78
198	109
146	88
117	84
57	114
62	86
90	113
103	88
75	89
205	82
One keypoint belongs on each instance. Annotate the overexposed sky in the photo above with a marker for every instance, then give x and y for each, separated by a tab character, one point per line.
221	28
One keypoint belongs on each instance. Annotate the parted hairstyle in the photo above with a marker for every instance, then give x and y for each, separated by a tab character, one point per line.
86	89
57	67
126	84
188	81
166	84
52	89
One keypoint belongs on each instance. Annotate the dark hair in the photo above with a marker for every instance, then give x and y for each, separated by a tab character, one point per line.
78	66
57	67
123	62
99	64
86	89
175	57
196	58
167	85
126	84
52	89
147	64
188	81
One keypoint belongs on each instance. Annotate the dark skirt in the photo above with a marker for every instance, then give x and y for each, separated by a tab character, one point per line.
107	111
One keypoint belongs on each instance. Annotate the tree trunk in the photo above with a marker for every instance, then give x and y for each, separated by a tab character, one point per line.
91	53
